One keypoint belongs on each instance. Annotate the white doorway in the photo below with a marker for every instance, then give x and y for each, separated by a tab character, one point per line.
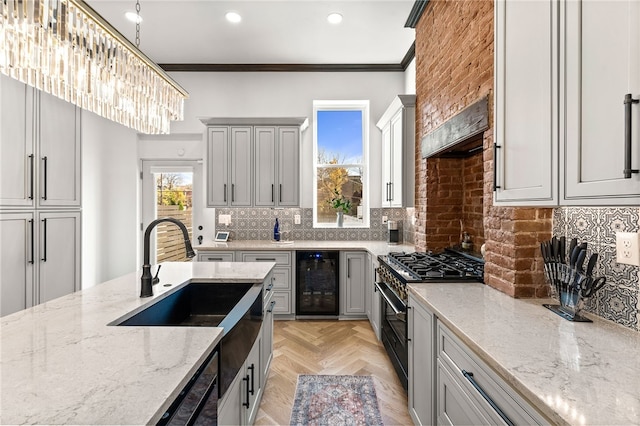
170	189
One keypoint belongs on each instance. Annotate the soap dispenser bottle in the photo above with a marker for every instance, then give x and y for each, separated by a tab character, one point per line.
276	231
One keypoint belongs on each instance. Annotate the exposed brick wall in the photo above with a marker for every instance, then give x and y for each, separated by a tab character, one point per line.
454	68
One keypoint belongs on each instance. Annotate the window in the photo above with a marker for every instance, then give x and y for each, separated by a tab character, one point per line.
340	152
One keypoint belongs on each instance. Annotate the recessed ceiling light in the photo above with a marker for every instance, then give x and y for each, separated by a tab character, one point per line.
233	17
133	17
334	18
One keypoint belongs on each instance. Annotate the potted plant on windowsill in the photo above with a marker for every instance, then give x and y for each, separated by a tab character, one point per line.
341	205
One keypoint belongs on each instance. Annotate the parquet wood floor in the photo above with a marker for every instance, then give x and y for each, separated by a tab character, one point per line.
328	347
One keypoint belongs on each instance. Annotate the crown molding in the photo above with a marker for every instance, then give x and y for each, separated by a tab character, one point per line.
283	67
416	13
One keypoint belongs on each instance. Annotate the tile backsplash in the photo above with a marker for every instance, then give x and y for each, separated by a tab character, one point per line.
618	300
257	224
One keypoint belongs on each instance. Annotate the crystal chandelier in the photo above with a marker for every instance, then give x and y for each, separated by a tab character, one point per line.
65	48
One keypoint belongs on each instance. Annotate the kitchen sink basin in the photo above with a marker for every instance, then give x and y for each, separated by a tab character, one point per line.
195	305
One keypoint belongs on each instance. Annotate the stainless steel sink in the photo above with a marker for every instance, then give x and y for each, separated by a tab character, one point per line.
196	305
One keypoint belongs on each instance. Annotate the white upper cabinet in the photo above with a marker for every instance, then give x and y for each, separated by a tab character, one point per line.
40	145
398	152
526	99
562	71
601	65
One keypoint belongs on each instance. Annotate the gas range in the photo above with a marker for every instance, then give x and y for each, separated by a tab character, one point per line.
397	269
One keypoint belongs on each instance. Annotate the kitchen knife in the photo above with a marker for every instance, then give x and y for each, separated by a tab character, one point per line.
591	264
555	248
572	246
562	253
580	260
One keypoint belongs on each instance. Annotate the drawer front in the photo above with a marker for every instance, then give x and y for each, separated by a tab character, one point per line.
454	405
216	256
283	302
480	379
279	257
281	278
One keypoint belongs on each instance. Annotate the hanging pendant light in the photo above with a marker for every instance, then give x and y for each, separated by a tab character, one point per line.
65	48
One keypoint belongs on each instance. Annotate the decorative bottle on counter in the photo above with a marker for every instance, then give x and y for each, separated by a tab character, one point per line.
276	231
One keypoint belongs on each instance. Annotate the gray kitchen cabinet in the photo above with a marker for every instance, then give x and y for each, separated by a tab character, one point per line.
240	403
372	296
601	66
59	153
422	359
468	389
277	166
17	143
562	72
281	276
352	283
40	257
17	254
455	407
58	254
267	329
217	166
40	144
398	152
526	103
229	168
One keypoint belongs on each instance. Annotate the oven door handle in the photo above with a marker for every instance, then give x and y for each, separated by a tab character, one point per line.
399	314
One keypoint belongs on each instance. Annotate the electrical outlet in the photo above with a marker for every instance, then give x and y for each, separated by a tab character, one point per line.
628	248
296	219
385	219
224	219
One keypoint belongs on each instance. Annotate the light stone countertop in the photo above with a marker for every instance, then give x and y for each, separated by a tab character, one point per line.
574	373
374	247
62	364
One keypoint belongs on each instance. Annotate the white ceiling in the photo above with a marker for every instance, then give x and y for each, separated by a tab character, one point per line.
271	32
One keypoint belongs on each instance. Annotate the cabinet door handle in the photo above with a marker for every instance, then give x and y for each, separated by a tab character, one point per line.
31	171
391	195
495	167
349	268
44	240
272	193
280	193
486	397
31	223
233	192
264	259
44	192
252	369
213	259
273	303
246	379
270	287
225	192
628	102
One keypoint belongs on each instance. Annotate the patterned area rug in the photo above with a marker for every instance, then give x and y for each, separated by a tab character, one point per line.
335	400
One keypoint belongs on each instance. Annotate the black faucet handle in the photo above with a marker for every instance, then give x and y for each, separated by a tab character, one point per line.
156	279
199	239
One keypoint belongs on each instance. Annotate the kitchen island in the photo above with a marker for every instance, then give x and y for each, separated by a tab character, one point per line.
61	363
571	372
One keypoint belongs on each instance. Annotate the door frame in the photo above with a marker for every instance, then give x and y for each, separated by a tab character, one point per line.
147	194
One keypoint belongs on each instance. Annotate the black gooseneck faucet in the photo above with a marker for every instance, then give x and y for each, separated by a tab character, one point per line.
146	281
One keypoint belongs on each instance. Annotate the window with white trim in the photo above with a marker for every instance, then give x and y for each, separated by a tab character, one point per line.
341	156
